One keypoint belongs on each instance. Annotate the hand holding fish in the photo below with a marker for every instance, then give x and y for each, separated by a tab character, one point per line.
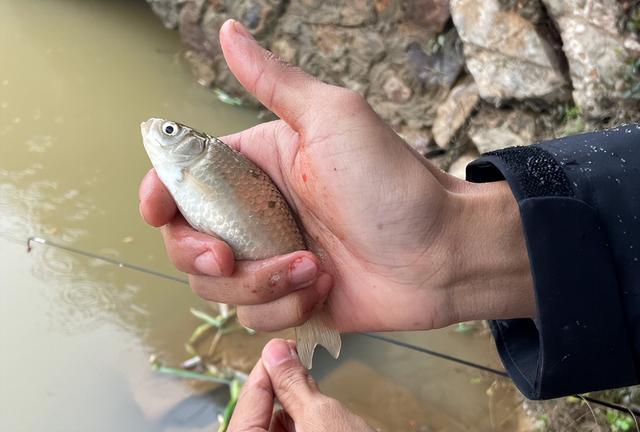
395	244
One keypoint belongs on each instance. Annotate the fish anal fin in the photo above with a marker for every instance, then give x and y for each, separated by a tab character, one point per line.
316	332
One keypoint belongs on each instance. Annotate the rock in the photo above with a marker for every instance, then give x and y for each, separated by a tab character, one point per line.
202	67
167	10
432	14
394	52
334	54
346	14
201	54
459	167
258	16
199	23
445	159
439	63
407	86
600	58
419	139
530	10
494	129
396	90
454	112
507	57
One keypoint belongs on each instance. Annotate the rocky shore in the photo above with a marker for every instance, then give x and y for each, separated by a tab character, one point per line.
454	78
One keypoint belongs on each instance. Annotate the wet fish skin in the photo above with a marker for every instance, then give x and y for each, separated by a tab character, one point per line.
222	193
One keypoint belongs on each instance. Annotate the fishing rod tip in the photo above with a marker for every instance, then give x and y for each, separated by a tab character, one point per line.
36	240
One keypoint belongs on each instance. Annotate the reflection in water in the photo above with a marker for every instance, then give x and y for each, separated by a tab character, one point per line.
29	204
39	143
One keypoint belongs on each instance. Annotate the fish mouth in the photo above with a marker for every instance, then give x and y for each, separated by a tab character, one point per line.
145	126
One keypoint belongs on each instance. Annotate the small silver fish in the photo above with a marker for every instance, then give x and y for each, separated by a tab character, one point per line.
222	193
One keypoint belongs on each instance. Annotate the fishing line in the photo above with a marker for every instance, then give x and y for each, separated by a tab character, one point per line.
435	354
122	264
628	410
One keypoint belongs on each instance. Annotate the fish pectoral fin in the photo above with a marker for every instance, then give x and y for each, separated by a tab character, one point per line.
316	332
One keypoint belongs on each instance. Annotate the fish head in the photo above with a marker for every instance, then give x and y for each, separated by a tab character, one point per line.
171	146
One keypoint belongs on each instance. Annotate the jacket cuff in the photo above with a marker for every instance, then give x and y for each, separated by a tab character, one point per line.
580	330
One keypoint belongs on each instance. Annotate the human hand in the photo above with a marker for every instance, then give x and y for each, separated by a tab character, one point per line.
279	374
395	244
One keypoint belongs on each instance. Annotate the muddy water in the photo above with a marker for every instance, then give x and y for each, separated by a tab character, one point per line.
77	77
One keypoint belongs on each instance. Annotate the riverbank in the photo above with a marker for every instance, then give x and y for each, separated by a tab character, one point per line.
454	78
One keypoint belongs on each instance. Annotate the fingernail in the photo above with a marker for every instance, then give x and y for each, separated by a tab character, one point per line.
241	30
206	264
276	352
302	271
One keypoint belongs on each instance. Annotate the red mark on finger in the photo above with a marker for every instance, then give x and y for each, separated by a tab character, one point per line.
304	177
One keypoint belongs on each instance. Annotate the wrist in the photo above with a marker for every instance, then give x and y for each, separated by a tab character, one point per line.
490	275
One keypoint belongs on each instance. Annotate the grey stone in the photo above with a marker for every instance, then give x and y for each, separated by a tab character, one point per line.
258	16
505	54
353	13
432	14
494	129
414	77
530	10
439	62
459	166
167	10
419	139
600	57
453	114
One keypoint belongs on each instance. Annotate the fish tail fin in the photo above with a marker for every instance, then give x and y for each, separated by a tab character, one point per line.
316	332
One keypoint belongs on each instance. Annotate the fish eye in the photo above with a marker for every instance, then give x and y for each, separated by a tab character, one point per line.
170	128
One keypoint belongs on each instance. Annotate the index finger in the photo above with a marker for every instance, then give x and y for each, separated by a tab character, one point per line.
157	206
255	405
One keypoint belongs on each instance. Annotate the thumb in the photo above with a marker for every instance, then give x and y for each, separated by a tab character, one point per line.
286	90
253	411
291	382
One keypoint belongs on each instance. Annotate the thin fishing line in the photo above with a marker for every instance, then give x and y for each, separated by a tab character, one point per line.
115	262
633	411
435	354
122	264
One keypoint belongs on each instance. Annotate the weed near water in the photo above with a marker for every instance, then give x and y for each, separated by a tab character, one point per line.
201	367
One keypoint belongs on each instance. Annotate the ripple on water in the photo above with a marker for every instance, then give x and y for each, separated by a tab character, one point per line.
82	304
50	264
81	296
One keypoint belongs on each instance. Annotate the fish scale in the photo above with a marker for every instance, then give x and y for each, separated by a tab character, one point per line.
222	193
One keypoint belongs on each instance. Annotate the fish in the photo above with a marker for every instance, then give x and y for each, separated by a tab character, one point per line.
221	192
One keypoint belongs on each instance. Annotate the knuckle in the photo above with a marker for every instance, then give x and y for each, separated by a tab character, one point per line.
289	380
350	98
201	288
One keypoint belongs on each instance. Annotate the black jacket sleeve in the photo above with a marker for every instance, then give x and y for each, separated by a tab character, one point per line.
579	200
